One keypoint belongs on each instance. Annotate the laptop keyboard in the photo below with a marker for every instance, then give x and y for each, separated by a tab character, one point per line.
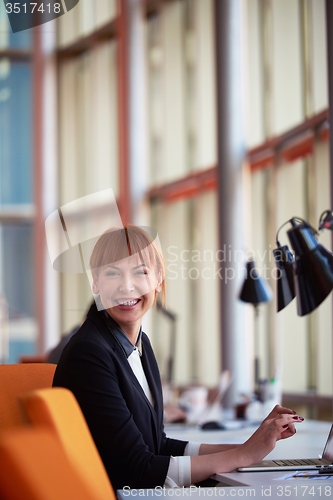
298	462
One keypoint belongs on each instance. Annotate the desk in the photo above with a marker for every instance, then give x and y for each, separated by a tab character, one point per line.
308	492
308	442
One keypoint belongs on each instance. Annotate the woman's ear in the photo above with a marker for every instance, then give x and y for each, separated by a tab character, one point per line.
95	289
158	287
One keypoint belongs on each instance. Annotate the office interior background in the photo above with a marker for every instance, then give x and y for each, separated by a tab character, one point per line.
125	96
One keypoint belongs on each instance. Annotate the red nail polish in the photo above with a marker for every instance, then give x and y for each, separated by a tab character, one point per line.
285	426
295	418
301	418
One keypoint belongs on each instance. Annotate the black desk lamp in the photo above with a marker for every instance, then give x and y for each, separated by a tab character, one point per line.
255	290
285	280
309	274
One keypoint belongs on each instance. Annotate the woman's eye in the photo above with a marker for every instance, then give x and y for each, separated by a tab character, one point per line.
142	272
112	273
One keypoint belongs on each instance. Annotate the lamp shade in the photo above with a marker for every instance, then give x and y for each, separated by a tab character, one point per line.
255	288
285	281
313	268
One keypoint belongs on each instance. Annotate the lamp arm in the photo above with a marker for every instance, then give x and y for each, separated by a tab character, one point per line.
325	221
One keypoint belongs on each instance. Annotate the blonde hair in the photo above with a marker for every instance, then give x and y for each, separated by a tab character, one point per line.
117	244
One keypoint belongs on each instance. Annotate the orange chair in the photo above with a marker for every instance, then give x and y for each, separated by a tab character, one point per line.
16	380
57	410
34	466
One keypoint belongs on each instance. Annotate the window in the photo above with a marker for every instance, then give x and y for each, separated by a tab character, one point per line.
17	272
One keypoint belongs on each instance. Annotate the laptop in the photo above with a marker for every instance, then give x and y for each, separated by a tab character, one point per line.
297	464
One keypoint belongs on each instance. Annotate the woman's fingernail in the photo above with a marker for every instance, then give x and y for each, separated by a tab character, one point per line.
285	426
301	418
293	412
298	418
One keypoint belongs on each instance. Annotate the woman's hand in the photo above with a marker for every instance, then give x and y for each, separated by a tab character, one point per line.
276	426
225	458
280	410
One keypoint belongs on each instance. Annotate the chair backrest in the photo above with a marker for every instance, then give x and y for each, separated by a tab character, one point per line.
58	410
16	380
34	466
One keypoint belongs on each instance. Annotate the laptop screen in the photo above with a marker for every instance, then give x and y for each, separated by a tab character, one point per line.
328	451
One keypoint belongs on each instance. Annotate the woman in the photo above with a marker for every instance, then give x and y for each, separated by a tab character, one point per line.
110	367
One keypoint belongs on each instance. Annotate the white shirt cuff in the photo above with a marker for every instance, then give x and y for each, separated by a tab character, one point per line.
179	471
192	449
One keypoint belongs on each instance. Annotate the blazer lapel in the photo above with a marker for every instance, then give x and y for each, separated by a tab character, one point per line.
153	378
115	345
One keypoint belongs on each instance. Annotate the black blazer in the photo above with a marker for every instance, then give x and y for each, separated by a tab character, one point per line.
127	430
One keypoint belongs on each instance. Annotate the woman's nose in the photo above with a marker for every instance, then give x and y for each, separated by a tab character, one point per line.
126	284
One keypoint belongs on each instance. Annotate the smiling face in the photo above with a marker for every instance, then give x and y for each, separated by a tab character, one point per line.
128	271
127	290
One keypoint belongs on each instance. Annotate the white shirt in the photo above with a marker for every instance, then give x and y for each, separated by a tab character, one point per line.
179	471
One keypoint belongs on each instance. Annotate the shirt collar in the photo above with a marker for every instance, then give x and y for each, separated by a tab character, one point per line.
121	336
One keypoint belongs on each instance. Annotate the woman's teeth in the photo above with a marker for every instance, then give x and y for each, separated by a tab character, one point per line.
130	303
